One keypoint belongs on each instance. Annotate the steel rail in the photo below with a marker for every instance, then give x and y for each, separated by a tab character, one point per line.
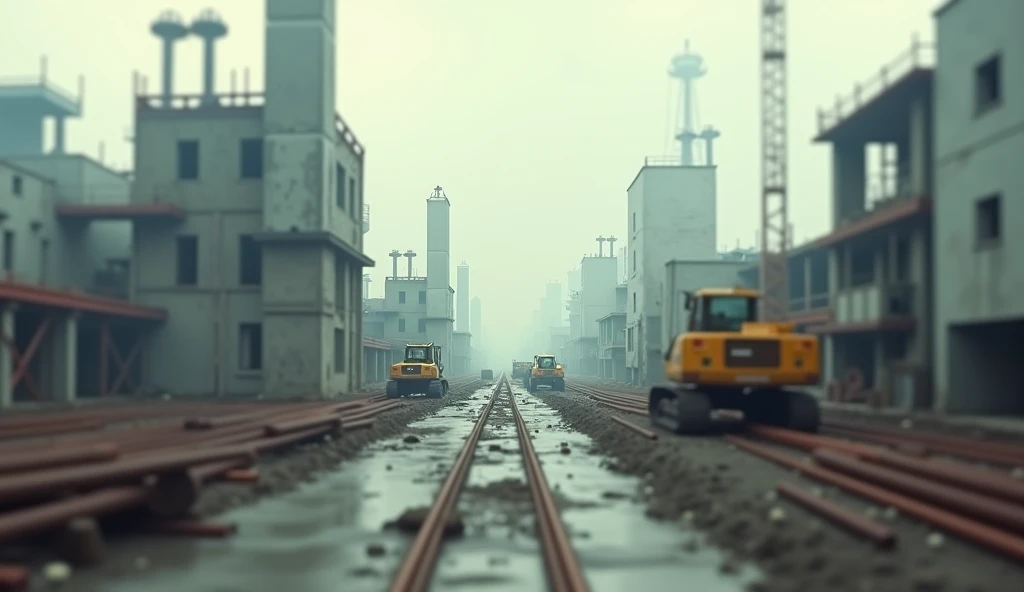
564	572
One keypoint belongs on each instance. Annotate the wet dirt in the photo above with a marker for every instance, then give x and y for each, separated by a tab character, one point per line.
729	496
313	491
617	545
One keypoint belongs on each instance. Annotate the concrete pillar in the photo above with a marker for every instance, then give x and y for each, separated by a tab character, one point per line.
920	155
65	358
848	180
7	317
834	271
807	282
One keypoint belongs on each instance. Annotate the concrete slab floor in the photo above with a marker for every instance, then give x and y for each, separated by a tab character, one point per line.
317	537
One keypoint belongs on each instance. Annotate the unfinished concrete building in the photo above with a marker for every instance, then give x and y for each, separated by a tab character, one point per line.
671	215
978	207
879	340
261	271
611	340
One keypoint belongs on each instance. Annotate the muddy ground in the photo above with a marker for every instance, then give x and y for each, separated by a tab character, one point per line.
284	471
728	495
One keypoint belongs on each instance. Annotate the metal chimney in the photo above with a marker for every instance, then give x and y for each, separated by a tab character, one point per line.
709	135
209	26
611	245
409	255
169	28
600	246
395	254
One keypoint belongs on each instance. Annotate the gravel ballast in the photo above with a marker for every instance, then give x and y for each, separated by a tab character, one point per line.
705	484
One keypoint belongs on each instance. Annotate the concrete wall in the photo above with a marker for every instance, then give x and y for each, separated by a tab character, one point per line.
440	295
27	218
976	155
671	215
599	278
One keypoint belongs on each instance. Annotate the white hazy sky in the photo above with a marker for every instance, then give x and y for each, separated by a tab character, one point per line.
533	115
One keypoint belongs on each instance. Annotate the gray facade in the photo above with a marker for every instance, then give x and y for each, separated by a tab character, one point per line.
979	207
271	192
440	317
671	215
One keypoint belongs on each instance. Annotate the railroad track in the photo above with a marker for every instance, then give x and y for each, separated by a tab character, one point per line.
920	474
563	570
110	455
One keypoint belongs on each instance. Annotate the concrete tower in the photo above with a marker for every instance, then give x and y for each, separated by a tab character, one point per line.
25	105
170	29
687	68
474	322
209	27
299	340
462	295
409	256
440	301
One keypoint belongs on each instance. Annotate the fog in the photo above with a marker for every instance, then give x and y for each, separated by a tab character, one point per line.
533	116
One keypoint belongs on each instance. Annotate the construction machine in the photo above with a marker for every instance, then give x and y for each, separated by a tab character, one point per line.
420	372
546	372
521	371
727	359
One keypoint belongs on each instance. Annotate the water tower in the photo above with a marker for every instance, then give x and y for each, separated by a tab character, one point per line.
170	29
209	27
686	67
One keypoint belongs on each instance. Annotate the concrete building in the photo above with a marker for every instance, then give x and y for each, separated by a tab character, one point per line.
880	336
440	315
595	299
809	304
462	346
475	321
272	189
671	215
612	339
978	207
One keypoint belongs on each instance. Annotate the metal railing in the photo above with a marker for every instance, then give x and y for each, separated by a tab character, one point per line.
199	101
40	81
817	300
920	55
346	135
663	161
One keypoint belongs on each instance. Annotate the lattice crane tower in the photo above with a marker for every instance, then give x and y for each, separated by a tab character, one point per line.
774	211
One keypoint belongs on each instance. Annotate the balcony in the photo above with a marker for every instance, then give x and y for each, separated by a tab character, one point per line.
888	306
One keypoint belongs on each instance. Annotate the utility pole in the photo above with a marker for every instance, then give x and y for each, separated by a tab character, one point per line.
774	211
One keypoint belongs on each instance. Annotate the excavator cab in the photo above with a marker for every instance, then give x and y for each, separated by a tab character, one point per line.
728	359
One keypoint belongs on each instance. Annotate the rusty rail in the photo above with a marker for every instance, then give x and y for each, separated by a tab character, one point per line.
877	533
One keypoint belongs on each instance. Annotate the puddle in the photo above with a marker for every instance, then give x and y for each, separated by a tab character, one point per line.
317	537
618	547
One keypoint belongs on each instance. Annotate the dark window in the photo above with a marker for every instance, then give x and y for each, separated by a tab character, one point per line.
188	260
339	188
989	220
250	267
339	350
8	250
252	158
188	159
634	301
634	221
16	184
401	297
250	346
423	326
726	313
423	297
352	195
634	261
988	84
401	325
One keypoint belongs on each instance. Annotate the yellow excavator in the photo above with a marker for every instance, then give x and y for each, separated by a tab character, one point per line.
727	359
421	372
546	372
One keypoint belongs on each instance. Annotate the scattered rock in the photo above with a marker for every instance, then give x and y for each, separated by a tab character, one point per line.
565	450
56	573
494	448
412	519
410	439
375	550
81	543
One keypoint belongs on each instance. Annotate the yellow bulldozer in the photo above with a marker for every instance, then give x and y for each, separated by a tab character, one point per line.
727	359
420	372
545	372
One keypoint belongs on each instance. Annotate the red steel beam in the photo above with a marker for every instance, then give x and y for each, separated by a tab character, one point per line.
38	295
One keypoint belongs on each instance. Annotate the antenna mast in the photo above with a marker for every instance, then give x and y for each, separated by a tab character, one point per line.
774	211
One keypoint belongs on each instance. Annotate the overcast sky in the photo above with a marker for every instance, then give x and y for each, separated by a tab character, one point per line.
533	115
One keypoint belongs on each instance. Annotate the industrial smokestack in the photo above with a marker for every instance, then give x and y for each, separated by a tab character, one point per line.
169	28
394	262
409	255
709	136
611	245
209	26
600	246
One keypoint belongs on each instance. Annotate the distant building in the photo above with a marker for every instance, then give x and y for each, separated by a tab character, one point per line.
595	299
612	339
